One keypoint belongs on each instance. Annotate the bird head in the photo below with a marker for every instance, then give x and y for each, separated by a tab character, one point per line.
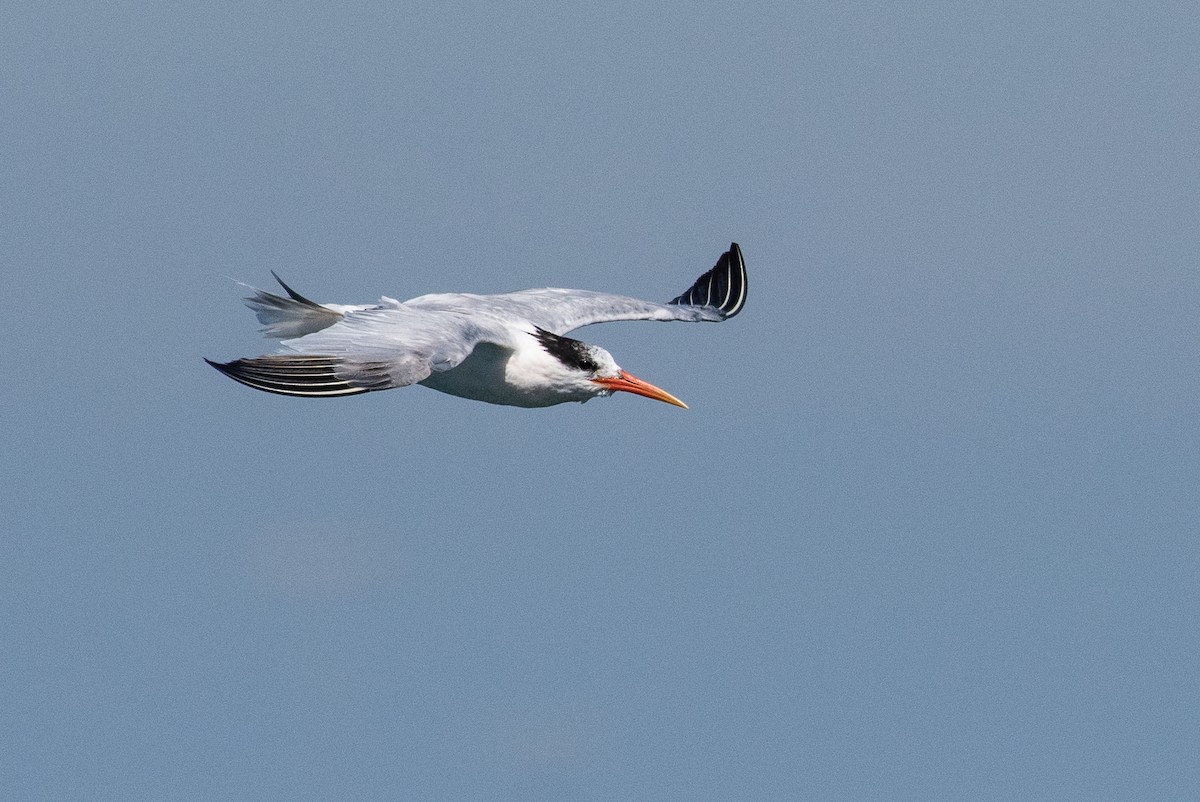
594	368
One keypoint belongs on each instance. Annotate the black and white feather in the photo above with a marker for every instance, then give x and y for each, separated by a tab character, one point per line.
315	376
723	288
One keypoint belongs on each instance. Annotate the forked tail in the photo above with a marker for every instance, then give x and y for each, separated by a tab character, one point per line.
287	318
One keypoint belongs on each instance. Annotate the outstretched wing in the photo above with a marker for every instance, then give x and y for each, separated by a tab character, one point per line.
377	348
717	295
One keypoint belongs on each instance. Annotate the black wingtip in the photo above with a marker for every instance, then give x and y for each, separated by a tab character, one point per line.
723	288
302	375
229	369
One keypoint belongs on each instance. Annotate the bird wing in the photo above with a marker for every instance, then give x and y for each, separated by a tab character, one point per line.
376	348
717	295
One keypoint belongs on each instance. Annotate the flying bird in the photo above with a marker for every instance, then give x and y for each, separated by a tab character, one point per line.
502	349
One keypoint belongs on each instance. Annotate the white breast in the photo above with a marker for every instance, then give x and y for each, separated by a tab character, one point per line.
522	377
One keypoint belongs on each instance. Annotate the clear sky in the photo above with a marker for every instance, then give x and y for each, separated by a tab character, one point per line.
929	529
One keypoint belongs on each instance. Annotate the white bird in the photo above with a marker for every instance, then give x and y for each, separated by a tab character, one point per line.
502	349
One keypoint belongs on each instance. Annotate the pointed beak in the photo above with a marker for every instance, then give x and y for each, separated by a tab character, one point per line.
625	383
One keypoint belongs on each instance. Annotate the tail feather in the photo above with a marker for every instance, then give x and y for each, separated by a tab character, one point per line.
287	318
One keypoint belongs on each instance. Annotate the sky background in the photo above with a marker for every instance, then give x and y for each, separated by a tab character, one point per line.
929	529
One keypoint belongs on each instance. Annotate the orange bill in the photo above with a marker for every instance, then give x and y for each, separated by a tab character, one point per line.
626	383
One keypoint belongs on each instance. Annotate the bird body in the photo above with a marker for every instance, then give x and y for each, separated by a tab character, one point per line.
503	349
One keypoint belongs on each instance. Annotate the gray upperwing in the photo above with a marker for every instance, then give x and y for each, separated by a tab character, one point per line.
411	342
717	295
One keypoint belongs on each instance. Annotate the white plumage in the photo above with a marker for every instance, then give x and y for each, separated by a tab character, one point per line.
503	349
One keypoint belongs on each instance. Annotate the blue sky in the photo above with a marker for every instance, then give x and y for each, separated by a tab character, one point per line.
927	531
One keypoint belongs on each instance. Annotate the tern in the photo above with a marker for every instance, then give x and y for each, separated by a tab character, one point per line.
503	349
